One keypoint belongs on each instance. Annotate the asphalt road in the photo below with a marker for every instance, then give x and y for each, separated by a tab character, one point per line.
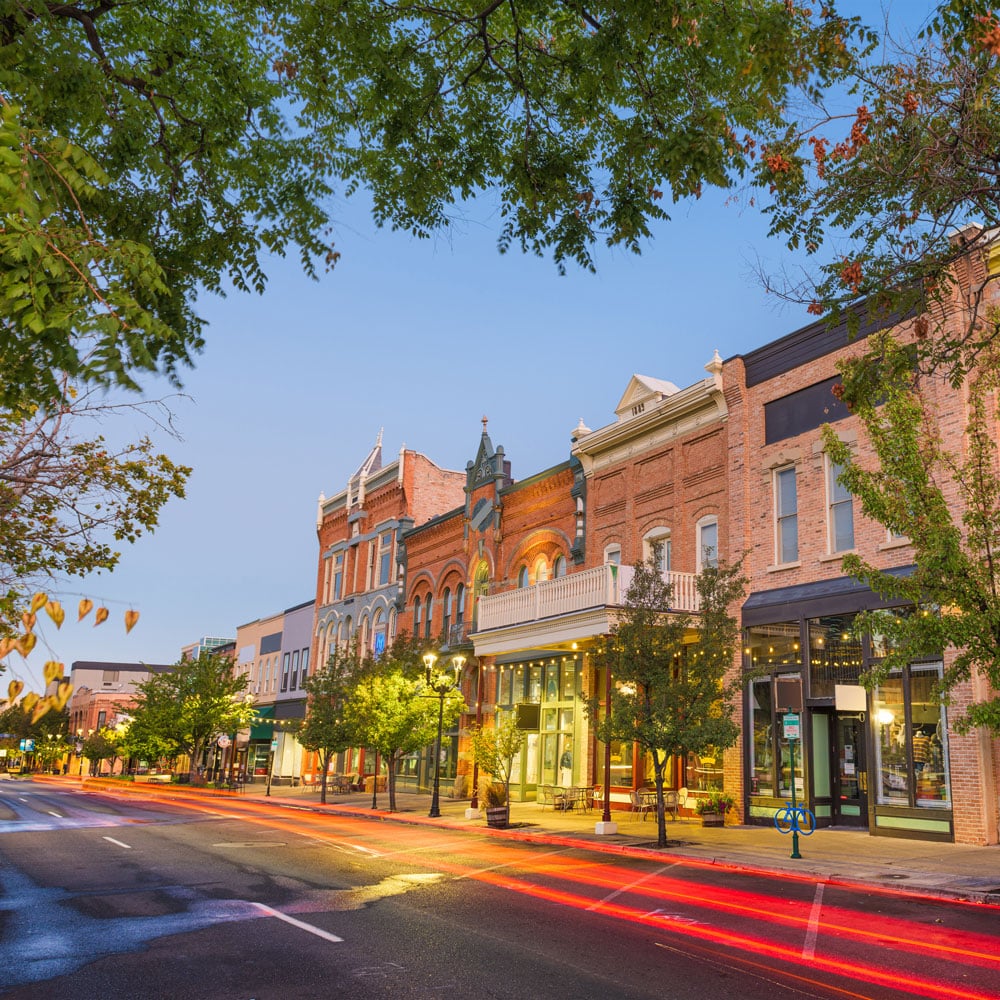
105	898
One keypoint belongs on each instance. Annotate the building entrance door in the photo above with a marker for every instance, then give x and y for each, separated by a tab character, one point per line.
850	772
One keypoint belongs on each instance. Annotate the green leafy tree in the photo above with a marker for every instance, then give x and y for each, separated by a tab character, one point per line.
145	155
104	745
185	708
671	694
494	749
585	119
392	711
19	721
880	185
946	501
325	730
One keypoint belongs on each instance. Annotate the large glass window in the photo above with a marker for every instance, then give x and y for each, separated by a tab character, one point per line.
841	512
786	510
911	751
708	544
835	654
762	745
385	558
772	646
704	772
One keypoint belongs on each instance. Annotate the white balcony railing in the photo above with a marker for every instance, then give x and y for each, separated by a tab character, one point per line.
602	586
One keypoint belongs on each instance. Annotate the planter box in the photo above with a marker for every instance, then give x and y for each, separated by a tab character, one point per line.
497	816
713	819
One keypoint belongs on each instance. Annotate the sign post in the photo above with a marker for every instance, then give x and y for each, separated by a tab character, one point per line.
793	732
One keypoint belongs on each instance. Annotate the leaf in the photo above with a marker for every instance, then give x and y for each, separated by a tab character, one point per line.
53	671
85	605
38	601
63	691
26	643
16	687
29	701
101	615
28	620
55	611
6	645
42	706
131	617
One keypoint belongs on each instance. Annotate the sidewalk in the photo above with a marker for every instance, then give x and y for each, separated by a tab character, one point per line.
834	855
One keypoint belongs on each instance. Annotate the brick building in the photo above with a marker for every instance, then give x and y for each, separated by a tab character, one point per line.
886	761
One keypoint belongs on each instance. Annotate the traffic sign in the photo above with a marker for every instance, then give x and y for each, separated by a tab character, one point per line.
792	728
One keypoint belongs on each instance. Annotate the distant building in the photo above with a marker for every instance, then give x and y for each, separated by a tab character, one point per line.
192	651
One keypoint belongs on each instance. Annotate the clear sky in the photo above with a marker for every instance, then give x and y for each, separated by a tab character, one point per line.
421	338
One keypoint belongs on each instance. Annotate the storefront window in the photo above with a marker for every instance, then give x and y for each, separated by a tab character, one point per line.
704	772
762	745
912	754
772	646
535	684
621	763
835	654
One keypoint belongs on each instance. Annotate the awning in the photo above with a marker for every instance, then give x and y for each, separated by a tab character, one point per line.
262	727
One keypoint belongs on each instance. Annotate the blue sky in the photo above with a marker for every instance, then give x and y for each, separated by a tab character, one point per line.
421	338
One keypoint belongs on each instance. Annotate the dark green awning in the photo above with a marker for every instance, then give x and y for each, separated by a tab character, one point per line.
263	726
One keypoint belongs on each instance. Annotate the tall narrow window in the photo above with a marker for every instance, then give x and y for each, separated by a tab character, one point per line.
385	558
428	616
446	623
304	668
294	682
656	546
460	604
559	567
417	612
338	576
285	663
522	577
708	543
786	512
841	512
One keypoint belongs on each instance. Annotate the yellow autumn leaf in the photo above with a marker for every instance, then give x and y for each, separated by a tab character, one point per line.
26	643
29	701
52	671
43	705
6	645
38	601
85	605
16	687
101	615
63	691
55	611
28	620
131	617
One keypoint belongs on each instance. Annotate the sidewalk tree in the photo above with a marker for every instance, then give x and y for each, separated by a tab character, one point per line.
585	119
105	744
325	730
670	692
494	749
946	503
182	710
391	710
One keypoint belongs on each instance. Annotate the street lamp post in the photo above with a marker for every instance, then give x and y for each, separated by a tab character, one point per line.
441	684
473	809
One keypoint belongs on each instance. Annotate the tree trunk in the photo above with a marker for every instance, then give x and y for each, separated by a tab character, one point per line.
659	766
390	781
375	782
324	763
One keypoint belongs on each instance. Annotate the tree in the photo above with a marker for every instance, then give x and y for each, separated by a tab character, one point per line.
881	190
19	720
946	502
325	730
391	710
144	156
494	750
183	709
103	745
584	118
671	694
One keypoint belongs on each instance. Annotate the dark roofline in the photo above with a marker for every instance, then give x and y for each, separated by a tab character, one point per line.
299	607
126	667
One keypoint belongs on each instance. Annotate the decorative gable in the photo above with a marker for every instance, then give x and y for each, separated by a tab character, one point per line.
642	394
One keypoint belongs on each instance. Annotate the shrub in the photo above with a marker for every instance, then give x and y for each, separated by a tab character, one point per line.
717	802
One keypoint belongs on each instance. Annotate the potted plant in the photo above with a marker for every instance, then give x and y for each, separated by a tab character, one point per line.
493	795
494	751
713	808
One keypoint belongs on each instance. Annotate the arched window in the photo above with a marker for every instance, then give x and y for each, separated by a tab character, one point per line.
428	616
656	542
522	577
558	567
613	554
446	613
379	634
416	615
541	570
348	631
480	588
460	604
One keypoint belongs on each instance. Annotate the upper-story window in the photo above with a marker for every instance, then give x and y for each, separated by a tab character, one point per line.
379	633
522	577
428	616
786	515
613	554
841	511
708	542
541	570
285	667
338	576
446	612
304	668
656	545
294	681
384	558
460	604
417	613
558	567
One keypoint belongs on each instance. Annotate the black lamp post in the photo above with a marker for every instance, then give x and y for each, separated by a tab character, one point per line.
441	684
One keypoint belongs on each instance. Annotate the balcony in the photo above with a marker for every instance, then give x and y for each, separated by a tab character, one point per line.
578	595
